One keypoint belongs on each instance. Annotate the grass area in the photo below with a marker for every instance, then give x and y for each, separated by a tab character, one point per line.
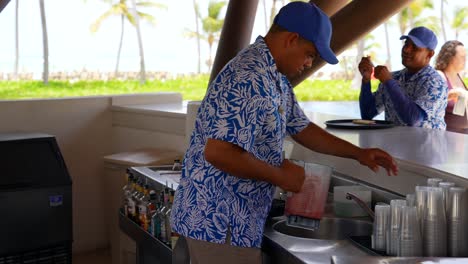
191	87
326	90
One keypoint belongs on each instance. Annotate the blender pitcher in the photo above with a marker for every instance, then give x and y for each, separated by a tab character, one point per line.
305	208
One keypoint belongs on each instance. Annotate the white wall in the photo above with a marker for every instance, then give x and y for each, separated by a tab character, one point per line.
85	132
82	127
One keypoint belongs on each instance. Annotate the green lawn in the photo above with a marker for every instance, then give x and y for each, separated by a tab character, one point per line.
191	87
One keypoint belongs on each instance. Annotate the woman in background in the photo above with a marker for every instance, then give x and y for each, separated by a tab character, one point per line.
449	63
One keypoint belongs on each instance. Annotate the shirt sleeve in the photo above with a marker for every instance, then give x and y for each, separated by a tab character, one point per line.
367	102
431	96
408	111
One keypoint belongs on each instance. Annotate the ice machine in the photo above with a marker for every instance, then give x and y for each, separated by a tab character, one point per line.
35	200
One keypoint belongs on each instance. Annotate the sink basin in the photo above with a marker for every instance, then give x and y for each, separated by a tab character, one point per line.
330	229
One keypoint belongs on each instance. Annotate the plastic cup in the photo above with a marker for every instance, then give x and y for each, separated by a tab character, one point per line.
381	225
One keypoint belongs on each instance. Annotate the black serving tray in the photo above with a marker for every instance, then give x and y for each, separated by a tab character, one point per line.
348	124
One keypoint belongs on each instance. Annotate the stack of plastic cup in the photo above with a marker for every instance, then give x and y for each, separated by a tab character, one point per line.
410	240
411	199
445	188
435	224
421	201
433	182
381	225
456	223
395	223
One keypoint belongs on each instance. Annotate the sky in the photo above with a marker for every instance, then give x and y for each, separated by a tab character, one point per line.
72	45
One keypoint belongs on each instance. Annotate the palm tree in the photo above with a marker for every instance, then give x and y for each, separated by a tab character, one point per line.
460	23
442	17
16	40
265	15
273	11
211	26
363	48
388	62
411	17
140	43
133	16
45	73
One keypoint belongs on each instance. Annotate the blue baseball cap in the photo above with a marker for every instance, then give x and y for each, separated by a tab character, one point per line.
422	37
311	23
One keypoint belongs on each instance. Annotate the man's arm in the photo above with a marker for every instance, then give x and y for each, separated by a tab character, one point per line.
367	101
317	139
407	110
234	160
366	98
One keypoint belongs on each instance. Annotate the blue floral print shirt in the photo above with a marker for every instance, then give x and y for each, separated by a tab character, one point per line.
426	88
252	105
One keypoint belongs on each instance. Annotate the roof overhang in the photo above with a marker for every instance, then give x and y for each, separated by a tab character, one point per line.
3	3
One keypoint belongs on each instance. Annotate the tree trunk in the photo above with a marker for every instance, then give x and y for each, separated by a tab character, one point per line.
16	40
140	45
120	46
410	18
210	61
387	43
45	73
197	29
442	25
273	11
265	15
356	82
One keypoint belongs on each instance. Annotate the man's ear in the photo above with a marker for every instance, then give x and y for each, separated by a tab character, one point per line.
291	39
431	53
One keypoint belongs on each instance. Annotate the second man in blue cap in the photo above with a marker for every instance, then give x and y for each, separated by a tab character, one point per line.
415	96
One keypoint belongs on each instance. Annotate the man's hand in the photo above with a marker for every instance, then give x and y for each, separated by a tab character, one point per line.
373	158
382	73
293	176
365	68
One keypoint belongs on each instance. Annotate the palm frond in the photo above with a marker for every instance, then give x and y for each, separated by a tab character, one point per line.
192	34
152	4
96	24
147	17
214	9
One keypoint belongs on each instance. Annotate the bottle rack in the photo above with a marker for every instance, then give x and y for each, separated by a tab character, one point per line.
149	248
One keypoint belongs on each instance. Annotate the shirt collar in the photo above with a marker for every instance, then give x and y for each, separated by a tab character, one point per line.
265	53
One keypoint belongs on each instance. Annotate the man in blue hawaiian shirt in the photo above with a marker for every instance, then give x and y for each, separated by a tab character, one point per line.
415	96
234	161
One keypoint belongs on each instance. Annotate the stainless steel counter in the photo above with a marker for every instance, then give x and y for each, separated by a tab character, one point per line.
394	260
282	248
441	150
